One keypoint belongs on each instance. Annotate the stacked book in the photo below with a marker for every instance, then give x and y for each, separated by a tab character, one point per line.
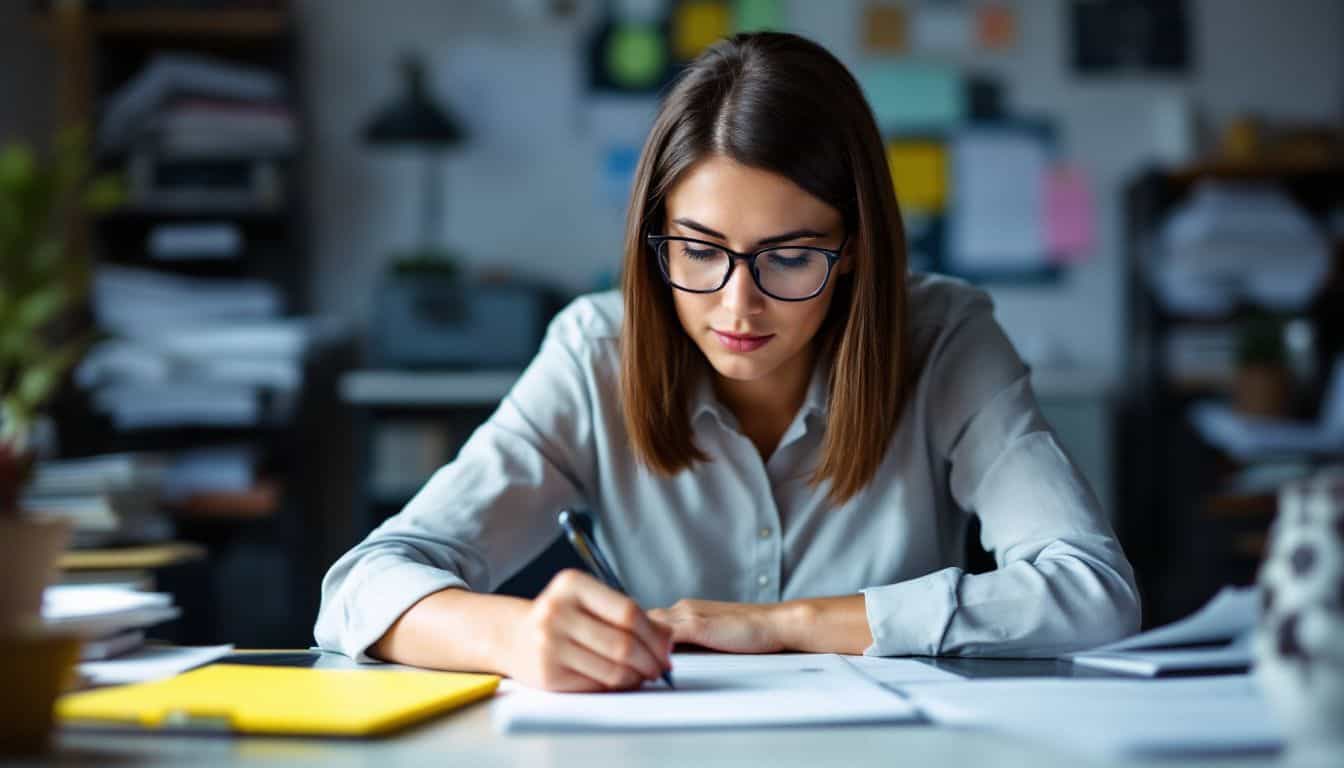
112	618
202	132
110	499
193	351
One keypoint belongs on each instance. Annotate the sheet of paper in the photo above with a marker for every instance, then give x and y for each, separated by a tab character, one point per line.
998	215
1230	613
715	691
151	663
1111	717
897	672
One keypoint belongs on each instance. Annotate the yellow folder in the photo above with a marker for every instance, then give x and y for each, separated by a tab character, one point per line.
279	700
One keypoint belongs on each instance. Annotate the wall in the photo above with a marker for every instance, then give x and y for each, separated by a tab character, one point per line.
522	194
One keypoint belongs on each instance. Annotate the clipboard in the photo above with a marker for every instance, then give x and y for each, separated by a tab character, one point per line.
251	699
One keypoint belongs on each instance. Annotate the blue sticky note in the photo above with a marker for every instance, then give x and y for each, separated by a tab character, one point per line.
913	97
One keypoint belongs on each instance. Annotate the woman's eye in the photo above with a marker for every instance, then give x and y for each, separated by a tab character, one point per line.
700	253
786	261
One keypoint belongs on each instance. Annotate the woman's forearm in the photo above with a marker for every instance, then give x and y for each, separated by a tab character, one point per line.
824	625
454	629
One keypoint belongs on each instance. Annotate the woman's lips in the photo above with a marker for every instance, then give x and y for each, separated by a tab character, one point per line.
735	342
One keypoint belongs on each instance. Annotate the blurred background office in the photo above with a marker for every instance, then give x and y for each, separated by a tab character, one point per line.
326	236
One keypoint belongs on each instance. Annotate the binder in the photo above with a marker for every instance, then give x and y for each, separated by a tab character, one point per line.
278	700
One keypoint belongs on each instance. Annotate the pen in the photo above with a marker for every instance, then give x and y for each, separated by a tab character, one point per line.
578	527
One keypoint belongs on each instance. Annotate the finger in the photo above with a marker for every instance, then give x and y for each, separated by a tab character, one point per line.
618	645
605	672
620	611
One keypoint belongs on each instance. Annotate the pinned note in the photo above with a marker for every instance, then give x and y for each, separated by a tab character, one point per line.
942	28
914	98
696	25
757	15
995	27
635	56
919	171
996	225
1069	214
884	28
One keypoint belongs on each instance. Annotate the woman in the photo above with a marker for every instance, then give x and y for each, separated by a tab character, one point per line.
781	434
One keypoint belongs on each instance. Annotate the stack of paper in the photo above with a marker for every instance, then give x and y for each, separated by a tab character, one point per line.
1215	638
717	691
98	609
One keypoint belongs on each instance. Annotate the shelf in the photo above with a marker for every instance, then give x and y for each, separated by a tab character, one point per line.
242	24
397	388
125	558
259	502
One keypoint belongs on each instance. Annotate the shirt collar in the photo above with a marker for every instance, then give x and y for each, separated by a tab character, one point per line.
815	401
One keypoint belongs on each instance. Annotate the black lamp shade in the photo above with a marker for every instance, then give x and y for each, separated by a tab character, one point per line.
414	118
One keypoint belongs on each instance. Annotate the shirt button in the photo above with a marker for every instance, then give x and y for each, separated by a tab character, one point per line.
765	533
762	580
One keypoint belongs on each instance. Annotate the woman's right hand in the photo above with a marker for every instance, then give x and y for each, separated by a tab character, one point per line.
580	635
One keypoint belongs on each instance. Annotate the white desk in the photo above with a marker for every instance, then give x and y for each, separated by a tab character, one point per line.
467	738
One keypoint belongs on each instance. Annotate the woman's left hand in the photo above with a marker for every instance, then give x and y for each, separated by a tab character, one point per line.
729	627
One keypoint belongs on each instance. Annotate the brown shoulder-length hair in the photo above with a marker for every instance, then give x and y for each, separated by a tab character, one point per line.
780	103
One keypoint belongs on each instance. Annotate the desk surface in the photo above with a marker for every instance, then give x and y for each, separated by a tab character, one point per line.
467	737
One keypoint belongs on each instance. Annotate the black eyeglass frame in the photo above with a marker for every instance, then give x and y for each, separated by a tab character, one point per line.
832	256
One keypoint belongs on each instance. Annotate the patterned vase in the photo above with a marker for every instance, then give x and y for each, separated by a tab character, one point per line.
1299	642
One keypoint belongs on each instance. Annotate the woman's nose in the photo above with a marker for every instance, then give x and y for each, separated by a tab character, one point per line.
741	295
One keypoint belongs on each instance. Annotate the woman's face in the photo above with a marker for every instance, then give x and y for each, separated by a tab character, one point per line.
745	334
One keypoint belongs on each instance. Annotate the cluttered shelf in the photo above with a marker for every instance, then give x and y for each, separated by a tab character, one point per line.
172	23
1236	357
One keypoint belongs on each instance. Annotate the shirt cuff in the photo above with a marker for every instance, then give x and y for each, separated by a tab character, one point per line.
910	618
382	597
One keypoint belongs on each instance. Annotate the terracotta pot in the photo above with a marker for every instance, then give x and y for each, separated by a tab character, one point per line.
35	667
30	550
1263	390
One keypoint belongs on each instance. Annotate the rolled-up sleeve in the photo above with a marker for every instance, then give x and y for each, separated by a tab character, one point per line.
1062	582
481	517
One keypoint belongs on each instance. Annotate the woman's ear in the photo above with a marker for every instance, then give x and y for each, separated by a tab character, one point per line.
848	255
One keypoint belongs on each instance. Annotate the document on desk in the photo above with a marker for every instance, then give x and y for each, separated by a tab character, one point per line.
716	691
1217	714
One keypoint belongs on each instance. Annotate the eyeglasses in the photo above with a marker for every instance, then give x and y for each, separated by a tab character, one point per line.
784	272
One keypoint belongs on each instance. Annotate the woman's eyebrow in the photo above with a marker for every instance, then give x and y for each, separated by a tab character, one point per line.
797	234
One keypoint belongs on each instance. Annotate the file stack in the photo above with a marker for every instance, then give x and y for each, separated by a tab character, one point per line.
112	618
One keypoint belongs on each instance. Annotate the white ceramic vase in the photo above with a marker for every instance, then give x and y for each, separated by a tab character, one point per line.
1299	641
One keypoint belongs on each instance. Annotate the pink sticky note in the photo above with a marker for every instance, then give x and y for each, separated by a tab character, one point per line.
1069	215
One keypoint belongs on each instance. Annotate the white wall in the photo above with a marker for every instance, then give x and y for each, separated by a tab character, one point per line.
523	193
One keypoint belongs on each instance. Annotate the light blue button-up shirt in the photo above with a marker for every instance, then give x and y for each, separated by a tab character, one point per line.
741	528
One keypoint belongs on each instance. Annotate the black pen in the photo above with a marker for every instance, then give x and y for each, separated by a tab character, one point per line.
577	527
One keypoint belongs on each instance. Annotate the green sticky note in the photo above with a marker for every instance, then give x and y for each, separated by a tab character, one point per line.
911	97
756	15
636	55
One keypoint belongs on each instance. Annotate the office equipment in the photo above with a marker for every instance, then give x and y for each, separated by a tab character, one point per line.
717	691
1215	638
578	528
297	701
1110	717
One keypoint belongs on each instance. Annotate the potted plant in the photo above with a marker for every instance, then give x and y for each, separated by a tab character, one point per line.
1263	384
41	280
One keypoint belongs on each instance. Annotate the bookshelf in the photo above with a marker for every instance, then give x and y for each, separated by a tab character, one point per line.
190	179
1188	521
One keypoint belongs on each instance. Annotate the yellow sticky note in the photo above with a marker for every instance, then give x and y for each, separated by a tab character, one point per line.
696	25
919	171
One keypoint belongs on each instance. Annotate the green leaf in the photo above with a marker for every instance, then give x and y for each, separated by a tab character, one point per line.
41	307
17	166
39	381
